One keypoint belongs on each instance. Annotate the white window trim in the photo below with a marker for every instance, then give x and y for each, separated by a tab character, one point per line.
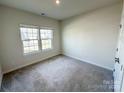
39	39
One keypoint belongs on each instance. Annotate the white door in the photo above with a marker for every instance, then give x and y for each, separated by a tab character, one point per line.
119	63
118	74
121	52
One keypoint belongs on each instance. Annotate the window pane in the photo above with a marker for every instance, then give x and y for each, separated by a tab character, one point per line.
46	44
46	34
29	33
30	46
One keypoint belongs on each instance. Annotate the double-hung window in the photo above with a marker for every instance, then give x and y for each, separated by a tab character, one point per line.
29	36
35	38
46	38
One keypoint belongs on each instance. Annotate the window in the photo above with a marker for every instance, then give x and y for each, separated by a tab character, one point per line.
35	39
46	38
30	39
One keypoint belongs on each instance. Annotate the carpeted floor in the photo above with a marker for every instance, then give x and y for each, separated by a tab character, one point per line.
59	74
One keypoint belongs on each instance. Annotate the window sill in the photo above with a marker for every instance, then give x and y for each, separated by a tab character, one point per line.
32	53
37	52
46	50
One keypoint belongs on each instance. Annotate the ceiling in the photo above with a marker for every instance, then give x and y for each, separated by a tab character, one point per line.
66	9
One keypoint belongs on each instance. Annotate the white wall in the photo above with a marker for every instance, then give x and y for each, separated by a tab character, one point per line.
92	37
11	47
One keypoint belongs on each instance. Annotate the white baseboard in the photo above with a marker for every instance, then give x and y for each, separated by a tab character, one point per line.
86	61
19	67
93	63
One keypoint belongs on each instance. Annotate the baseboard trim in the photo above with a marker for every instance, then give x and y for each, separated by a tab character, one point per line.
22	66
86	61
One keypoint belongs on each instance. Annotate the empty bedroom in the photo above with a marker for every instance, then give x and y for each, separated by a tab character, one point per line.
61	46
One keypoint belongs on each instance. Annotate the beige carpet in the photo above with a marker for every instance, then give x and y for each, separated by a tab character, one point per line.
61	74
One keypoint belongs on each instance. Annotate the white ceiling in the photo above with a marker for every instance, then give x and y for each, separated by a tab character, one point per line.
66	9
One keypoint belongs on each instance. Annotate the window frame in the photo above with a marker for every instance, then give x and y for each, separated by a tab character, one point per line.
29	26
47	28
39	39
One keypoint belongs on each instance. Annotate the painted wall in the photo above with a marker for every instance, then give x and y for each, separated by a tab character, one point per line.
11	47
92	37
